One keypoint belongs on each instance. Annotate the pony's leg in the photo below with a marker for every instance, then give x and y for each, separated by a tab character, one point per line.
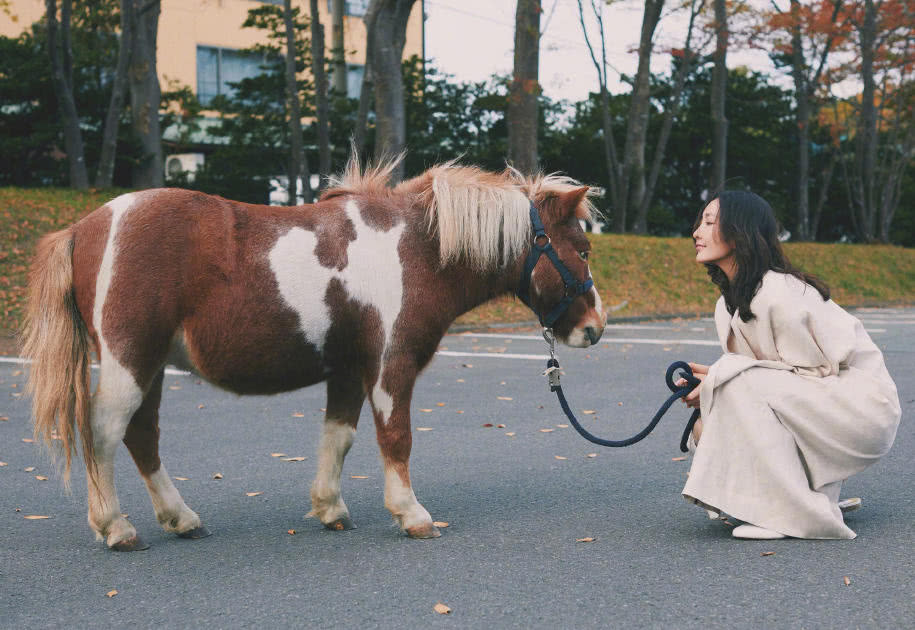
115	400
392	423
142	440
344	402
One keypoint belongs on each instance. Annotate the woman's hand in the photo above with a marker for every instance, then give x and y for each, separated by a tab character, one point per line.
700	372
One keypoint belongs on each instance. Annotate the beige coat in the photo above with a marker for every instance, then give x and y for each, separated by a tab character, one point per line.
800	401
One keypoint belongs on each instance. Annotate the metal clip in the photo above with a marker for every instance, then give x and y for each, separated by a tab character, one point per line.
551	341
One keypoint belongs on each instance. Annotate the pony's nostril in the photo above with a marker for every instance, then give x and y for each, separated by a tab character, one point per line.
593	334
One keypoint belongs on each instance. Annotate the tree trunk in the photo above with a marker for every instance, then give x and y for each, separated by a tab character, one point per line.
62	77
637	129
802	97
525	88
105	172
367	89
145	94
338	53
317	69
866	150
718	97
298	162
824	193
389	37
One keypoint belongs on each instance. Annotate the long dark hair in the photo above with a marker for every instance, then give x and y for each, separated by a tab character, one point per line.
747	220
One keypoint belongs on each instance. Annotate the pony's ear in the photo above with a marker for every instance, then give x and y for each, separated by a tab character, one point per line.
570	203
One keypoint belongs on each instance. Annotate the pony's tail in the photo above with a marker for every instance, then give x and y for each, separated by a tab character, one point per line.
55	338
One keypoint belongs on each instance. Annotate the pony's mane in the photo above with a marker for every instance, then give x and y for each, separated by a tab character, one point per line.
481	218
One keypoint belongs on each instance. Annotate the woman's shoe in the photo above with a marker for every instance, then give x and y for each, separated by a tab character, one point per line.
850	505
752	532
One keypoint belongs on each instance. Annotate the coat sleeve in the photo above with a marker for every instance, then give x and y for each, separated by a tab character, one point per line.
813	336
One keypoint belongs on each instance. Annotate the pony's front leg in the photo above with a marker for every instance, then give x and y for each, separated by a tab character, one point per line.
392	422
345	397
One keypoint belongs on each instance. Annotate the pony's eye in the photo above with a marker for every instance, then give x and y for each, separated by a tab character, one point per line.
584	255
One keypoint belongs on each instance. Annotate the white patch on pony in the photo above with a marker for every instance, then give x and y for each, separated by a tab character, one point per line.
382	402
326	503
171	511
402	503
373	277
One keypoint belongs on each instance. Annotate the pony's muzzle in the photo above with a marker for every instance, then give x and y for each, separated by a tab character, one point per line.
593	334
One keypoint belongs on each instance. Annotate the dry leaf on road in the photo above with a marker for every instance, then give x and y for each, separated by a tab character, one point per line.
295	459
28	440
182	478
588	412
423	428
2	464
440	404
586	539
426	410
510	433
35	517
440	523
217	476
298	414
41	478
253	494
29	469
846	580
358	476
547	430
591	455
277	454
291	532
441	609
504	397
112	593
560	457
767	553
678	459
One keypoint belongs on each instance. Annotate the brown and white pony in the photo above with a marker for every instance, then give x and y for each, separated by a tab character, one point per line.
356	290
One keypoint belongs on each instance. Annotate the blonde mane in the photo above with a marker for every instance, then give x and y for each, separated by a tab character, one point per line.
480	218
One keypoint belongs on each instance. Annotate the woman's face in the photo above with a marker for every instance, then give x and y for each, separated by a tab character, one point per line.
710	247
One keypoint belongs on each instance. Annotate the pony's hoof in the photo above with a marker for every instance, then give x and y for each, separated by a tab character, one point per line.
134	543
426	530
341	524
198	532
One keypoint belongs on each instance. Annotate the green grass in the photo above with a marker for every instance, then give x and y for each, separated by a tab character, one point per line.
636	275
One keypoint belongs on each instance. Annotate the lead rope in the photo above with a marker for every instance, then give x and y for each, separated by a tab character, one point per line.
552	373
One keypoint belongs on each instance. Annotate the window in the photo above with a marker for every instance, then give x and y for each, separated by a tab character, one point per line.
354	80
218	67
351	7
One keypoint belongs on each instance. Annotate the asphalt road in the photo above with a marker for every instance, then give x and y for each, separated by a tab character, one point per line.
517	499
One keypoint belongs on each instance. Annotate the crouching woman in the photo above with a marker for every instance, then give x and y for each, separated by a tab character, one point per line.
800	401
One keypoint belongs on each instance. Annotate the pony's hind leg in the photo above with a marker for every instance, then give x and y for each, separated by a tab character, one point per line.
344	402
115	400
142	440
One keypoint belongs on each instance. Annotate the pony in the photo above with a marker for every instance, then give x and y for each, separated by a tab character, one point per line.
355	290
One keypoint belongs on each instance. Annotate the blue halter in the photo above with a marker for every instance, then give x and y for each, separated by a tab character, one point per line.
573	288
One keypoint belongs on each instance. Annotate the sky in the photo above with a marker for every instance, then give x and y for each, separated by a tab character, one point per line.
472	39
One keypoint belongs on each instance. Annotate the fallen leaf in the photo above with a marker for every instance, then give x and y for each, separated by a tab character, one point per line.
291	532
563	426
500	426
460	380
29	469
426	410
277	454
441	609
17	373
846	580
678	459
174	386
727	522
504	397
217	476
460	411
322	408
487	424
201	406
588	412
358	476
112	593
586	539
423	428
560	457
440	404
510	434
767	553
36	517
298	415
547	430
620	404
182	478
295	459
440	523
253	494
41	478
2	464
4	418
468	365
28	440
591	455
